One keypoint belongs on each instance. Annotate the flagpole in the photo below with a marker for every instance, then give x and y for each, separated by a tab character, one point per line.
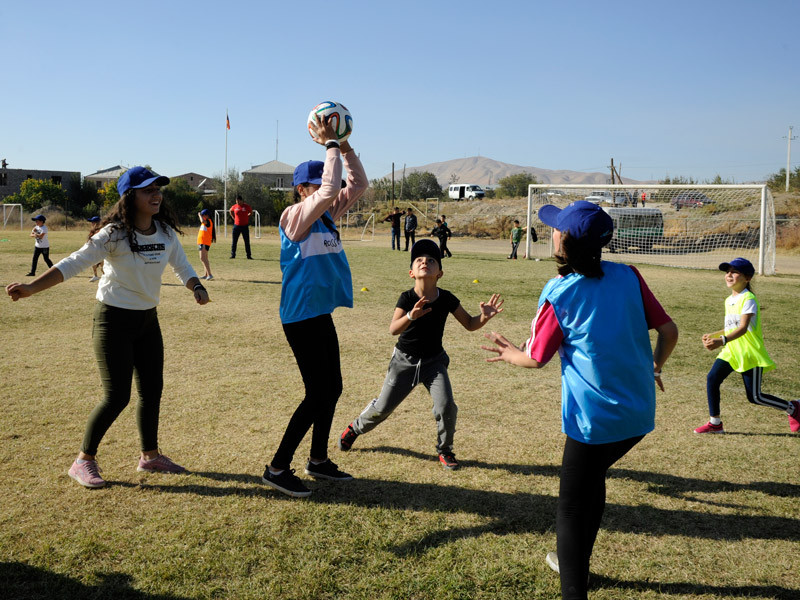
225	198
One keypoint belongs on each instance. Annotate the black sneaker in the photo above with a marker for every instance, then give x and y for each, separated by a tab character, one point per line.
287	482
347	438
327	470
30	274
448	460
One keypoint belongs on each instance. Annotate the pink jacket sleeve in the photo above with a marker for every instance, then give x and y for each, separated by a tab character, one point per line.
297	219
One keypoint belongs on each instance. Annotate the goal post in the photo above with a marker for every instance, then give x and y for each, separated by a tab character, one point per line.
353	224
8	214
690	226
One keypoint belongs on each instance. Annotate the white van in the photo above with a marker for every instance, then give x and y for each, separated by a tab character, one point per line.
465	191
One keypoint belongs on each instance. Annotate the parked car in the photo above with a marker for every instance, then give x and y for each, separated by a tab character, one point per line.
465	191
606	197
690	199
638	228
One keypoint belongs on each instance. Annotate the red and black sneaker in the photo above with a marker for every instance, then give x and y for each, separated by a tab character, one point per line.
794	418
347	438
448	460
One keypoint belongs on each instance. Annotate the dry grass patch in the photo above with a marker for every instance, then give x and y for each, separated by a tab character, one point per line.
688	516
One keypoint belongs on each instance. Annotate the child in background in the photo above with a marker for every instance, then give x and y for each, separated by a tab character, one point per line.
41	246
205	237
419	319
743	349
516	238
442	232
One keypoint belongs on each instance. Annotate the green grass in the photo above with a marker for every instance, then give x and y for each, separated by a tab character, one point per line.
687	517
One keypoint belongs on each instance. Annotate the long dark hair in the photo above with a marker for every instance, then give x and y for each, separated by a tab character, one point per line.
576	256
122	216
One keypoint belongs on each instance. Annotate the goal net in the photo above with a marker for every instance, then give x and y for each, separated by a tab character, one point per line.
357	226
12	212
690	226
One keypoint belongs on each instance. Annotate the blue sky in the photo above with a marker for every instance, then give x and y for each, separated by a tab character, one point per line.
681	88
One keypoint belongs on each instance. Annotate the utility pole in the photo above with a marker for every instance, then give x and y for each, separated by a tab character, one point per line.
789	139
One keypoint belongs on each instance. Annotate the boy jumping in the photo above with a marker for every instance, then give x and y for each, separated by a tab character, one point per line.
419	319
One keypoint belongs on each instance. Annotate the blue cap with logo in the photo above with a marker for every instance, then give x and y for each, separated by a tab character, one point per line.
744	266
308	172
139	177
582	219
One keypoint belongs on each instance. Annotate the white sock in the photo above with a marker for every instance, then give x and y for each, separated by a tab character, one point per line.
715	420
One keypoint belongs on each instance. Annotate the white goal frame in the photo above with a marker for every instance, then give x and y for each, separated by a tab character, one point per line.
8	214
256	225
710	249
369	223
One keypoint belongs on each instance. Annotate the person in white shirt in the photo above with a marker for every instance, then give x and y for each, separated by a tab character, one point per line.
41	245
136	239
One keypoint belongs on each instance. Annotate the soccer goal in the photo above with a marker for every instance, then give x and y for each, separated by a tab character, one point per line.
690	226
8	213
357	226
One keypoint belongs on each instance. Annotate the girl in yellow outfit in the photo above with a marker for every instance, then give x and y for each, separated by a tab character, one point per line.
743	349
205	237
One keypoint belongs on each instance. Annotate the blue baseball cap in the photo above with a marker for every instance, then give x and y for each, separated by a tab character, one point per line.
582	219
744	266
39	218
139	177
93	219
205	212
308	172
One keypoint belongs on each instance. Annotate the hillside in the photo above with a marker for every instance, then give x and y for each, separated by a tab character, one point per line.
486	171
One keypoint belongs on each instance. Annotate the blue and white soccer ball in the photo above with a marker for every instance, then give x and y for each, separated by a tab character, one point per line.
341	118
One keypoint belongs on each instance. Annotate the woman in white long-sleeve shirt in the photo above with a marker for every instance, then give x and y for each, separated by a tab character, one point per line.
316	279
137	239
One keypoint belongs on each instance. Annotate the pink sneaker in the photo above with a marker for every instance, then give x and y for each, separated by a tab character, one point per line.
794	418
710	428
87	474
160	464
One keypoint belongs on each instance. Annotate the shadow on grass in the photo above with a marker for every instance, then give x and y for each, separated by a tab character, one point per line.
693	589
659	483
507	512
24	582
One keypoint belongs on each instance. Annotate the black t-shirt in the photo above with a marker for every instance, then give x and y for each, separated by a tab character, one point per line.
423	336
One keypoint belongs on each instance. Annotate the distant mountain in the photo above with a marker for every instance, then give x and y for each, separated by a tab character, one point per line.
485	171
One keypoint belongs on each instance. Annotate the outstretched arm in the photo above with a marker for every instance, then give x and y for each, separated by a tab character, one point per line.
46	280
508	352
487	311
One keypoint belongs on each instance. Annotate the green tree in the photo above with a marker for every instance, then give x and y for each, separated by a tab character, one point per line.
679	180
38	193
515	186
420	185
183	199
109	195
777	181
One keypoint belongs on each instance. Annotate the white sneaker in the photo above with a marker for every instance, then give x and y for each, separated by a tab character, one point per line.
209	278
552	561
94	278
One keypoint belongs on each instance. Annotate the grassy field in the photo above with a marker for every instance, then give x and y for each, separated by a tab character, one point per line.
687	517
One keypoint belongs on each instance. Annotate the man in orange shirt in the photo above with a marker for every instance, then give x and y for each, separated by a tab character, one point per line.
241	212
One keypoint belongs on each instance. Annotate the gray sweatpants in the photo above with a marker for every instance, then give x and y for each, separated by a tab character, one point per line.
405	371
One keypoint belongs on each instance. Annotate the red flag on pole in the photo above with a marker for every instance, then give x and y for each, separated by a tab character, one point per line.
227	122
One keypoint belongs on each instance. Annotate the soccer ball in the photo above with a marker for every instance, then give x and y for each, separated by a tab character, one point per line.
341	119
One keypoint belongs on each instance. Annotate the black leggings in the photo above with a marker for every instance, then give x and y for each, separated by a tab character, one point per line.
581	501
316	349
127	343
45	254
